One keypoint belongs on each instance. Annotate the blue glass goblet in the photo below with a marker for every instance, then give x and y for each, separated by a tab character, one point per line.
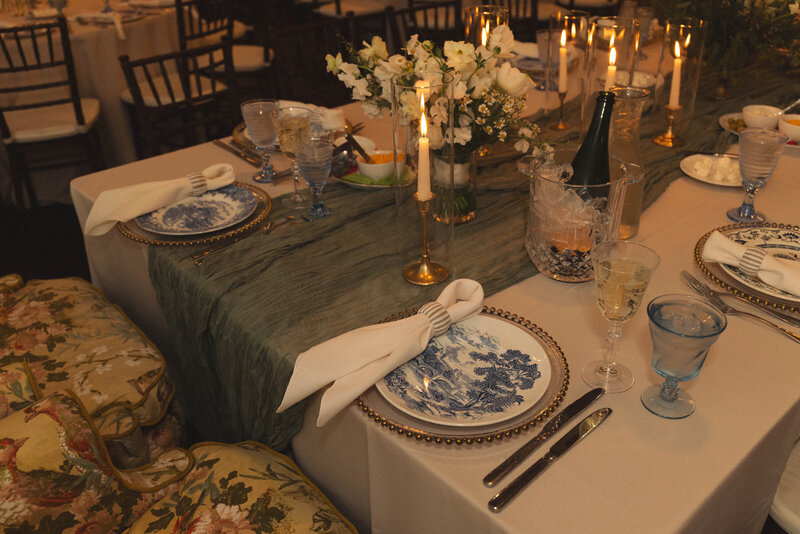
682	328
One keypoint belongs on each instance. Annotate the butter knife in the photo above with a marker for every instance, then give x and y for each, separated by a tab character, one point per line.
572	437
201	255
549	429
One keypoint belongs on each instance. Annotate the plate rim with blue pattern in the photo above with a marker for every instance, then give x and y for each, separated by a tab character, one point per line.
437	407
241	198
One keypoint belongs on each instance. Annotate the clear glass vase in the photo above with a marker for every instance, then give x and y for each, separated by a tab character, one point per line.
465	202
624	145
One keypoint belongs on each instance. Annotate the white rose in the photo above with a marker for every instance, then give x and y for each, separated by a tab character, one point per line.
459	90
396	64
458	54
370	109
512	80
481	82
436	138
522	145
462	135
501	41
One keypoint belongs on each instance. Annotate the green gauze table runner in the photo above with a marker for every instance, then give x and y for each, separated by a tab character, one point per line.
238	322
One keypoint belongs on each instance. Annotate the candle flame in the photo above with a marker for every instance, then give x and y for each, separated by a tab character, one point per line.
485	34
677	49
611	42
688	40
563	37
423	124
590	37
573	31
612	56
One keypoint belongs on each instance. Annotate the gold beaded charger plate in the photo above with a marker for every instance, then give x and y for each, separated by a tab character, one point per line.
781	240
132	230
474	386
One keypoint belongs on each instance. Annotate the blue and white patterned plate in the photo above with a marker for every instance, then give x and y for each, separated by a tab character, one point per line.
781	243
484	370
213	210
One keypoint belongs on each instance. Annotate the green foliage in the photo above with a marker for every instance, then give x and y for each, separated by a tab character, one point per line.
741	31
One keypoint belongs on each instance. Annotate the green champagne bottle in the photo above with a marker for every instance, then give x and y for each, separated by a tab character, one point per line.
590	165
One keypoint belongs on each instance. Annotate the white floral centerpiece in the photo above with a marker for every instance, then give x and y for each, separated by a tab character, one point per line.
489	94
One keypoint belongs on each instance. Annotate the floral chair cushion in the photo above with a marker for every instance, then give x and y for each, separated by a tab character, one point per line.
245	488
16	388
56	475
71	337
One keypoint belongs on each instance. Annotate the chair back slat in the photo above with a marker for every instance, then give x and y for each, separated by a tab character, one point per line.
203	22
438	21
36	61
523	17
181	98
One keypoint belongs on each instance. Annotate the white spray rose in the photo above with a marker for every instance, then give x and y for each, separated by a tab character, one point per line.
459	54
501	41
512	80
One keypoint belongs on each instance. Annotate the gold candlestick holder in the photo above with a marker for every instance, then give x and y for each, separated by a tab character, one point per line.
425	272
561	124
668	138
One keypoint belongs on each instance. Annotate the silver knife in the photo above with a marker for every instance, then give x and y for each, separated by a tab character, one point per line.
561	446
549	429
225	146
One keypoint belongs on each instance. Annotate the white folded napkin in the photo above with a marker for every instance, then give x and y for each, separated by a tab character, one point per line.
113	17
526	49
778	272
332	119
356	360
125	203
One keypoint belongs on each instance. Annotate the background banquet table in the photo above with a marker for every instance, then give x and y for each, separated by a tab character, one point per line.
96	50
715	471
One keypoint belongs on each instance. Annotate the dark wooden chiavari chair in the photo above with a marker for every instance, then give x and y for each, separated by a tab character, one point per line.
44	122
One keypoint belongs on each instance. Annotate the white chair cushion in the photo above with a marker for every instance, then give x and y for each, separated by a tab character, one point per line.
249	58
358	7
51	122
149	99
785	508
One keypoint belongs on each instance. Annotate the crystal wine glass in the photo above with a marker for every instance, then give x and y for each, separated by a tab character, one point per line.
258	118
293	124
682	328
314	159
622	271
759	152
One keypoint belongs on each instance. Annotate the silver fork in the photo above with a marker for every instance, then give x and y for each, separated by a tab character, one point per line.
730	310
703	289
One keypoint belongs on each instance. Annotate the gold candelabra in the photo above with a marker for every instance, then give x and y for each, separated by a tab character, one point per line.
669	138
425	272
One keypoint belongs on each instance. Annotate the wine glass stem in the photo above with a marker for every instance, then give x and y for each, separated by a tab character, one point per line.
747	209
266	169
296	176
669	389
316	197
613	334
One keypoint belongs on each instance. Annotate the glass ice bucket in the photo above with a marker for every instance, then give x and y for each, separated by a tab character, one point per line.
565	221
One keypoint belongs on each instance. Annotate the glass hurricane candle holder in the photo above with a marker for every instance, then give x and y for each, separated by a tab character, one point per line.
479	21
680	63
567	40
610	59
422	138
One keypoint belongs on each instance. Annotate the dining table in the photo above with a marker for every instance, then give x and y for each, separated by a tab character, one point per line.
232	327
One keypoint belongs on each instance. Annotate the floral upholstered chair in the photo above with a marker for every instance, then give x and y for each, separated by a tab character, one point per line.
64	334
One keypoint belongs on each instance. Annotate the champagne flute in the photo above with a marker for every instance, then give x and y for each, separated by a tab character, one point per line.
293	124
261	131
622	271
759	152
314	159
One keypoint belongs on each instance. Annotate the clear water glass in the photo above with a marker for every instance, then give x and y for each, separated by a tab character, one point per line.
759	152
314	159
293	124
683	328
622	272
258	118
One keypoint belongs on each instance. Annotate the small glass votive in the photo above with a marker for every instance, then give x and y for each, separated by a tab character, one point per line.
479	21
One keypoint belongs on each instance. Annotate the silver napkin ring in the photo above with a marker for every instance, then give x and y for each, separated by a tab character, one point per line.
751	261
438	316
198	182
